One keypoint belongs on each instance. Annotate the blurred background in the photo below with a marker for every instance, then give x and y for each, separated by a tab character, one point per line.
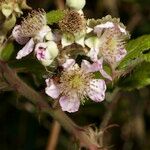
22	127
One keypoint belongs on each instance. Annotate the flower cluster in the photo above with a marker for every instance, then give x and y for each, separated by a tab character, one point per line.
37	36
81	47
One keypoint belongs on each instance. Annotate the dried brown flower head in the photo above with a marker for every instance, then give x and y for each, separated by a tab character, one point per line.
72	22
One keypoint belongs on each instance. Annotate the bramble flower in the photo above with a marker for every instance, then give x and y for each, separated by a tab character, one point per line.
110	41
33	32
73	27
93	44
76	83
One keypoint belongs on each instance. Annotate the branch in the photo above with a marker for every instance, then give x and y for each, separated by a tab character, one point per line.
41	102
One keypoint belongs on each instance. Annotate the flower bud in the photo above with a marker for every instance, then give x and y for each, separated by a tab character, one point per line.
7	9
75	4
46	52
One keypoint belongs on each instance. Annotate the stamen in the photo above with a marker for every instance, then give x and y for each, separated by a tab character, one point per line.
33	23
75	81
113	42
73	22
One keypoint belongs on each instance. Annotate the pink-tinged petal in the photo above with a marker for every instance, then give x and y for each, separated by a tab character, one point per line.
93	53
17	35
70	104
99	28
96	66
86	66
68	64
43	32
52	90
121	54
27	49
40	49
99	65
96	90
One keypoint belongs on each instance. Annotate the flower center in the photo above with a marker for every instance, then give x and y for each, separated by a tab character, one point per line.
72	22
75	81
112	42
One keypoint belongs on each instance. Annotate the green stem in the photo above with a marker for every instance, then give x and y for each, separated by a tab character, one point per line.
40	101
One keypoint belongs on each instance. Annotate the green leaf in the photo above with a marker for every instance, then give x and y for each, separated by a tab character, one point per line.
7	51
136	51
139	77
146	57
54	16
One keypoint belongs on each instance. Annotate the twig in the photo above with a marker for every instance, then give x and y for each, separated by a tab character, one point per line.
53	138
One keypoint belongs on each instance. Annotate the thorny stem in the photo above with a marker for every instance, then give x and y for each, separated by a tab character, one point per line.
40	101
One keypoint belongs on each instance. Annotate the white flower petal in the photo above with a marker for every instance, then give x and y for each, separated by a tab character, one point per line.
79	37
88	29
99	28
92	42
65	41
69	63
93	53
17	36
52	48
27	49
70	104
51	89
105	25
43	32
99	64
96	90
86	66
96	66
80	41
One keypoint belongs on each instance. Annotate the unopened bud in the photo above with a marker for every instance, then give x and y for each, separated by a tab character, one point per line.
76	4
